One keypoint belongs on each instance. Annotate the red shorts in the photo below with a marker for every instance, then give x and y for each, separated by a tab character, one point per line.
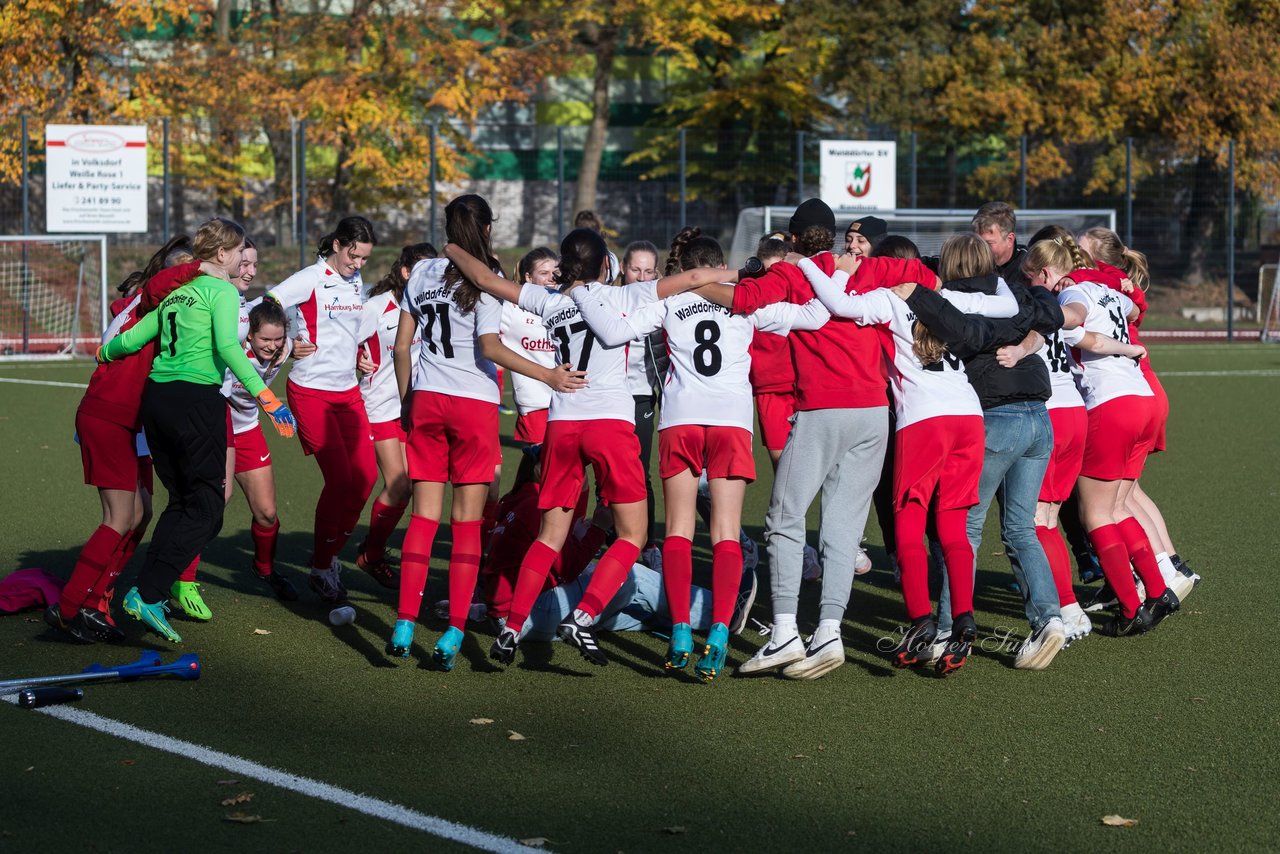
775	410
380	431
609	446
941	455
1121	433
251	450
723	451
532	428
1069	427
1162	409
452	439
108	452
328	418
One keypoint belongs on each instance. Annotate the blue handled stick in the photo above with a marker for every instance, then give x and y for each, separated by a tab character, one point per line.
148	664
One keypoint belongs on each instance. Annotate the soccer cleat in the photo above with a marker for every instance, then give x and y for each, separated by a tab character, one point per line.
934	653
380	569
503	409
447	648
861	563
770	657
187	594
652	558
282	587
1183	569
99	625
811	568
964	630
575	630
1089	568
713	654
1038	650
1162	606
916	643
680	647
750	552
74	628
1122	626
746	598
504	646
1181	585
153	616
401	639
823	655
328	583
1075	622
1103	600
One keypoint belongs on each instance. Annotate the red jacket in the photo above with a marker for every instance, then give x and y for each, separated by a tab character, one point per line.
771	368
841	365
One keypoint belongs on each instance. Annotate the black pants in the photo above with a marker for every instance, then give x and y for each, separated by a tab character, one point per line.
645	418
186	427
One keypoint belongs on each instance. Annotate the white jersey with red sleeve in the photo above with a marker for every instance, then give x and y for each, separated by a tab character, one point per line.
381	325
245	308
326	310
1105	378
450	361
580	344
524	333
242	405
1063	370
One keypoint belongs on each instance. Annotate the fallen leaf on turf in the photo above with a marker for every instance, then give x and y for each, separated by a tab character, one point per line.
228	782
674	831
242	798
32	768
128	762
481	721
1118	821
535	841
261	632
512	735
242	818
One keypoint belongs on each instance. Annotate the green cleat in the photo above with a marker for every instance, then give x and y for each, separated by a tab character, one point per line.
401	639
713	654
153	616
681	646
447	648
187	593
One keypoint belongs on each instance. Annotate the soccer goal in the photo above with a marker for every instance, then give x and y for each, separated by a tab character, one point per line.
1269	296
53	291
926	228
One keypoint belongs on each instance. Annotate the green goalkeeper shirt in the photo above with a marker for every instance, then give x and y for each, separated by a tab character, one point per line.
198	325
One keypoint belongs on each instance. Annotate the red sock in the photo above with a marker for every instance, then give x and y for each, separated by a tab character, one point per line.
611	572
264	547
1144	559
533	575
908	526
464	570
189	574
95	562
953	535
415	559
1055	549
383	519
677	576
726	577
1108	545
488	522
104	589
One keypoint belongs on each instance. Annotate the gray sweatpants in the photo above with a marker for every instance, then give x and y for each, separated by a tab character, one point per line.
838	451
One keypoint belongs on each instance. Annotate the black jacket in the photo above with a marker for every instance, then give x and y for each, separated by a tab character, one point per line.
1011	271
975	339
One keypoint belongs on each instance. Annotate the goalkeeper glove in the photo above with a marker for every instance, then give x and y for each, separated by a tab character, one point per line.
100	356
281	417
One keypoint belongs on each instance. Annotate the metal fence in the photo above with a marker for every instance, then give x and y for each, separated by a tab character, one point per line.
288	186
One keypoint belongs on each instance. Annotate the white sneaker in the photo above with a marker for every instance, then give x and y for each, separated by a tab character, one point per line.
770	657
822	656
750	552
861	563
1075	623
1038	650
652	558
812	570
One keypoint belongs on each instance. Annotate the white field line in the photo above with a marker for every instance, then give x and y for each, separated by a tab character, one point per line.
16	381
1274	372
302	785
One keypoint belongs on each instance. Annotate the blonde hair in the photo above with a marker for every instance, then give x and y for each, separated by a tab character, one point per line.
214	234
965	256
1060	253
927	346
1111	250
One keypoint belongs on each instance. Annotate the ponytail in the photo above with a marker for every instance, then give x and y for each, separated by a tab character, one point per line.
468	221
1111	250
678	244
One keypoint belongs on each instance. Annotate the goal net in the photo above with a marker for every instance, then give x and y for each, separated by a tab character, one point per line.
1269	296
52	295
926	228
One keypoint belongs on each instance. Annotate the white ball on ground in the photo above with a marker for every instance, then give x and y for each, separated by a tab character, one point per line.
344	616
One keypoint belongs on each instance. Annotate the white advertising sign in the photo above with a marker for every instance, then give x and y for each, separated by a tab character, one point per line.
96	178
859	175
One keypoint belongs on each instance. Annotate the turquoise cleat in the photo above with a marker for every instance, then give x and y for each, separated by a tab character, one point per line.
401	639
447	648
681	646
713	654
153	616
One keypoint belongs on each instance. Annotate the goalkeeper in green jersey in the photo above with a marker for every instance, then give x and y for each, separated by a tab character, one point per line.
185	416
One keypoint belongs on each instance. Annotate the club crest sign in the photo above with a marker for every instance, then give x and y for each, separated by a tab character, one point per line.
857	175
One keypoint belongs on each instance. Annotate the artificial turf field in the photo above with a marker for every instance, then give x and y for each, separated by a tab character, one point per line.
1178	729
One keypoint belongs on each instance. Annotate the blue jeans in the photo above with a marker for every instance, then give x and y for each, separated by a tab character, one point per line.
639	605
1019	442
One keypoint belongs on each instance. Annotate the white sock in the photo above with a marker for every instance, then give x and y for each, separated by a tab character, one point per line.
784	629
1167	570
827	629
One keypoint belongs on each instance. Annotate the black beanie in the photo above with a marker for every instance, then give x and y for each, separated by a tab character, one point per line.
871	227
812	212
